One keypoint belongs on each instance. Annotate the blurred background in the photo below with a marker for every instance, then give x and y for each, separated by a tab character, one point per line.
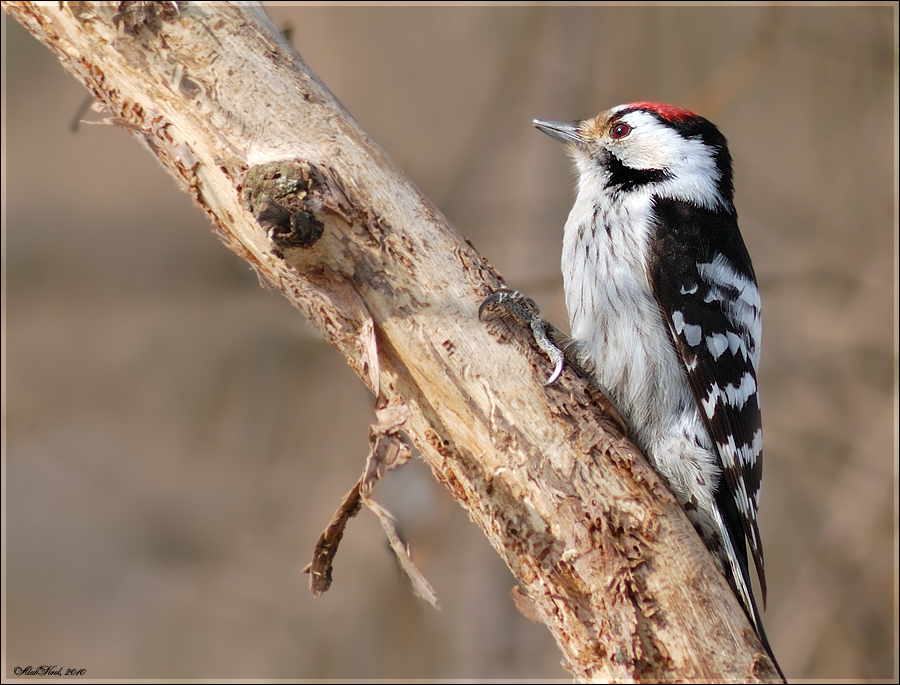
176	437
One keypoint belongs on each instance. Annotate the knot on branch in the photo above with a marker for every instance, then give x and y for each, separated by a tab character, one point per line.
285	197
133	15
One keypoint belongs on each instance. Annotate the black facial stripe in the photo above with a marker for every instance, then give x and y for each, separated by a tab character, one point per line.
625	178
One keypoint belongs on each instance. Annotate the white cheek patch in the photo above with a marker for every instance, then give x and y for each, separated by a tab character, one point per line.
643	152
691	166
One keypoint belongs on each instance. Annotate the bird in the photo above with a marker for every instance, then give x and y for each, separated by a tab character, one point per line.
664	311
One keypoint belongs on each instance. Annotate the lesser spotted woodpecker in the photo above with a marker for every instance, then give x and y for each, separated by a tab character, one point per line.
664	307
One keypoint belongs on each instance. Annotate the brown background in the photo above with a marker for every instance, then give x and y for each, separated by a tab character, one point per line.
177	437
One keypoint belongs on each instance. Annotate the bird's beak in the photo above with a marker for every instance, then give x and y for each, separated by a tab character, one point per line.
559	130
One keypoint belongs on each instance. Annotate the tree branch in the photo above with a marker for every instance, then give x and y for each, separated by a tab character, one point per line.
602	553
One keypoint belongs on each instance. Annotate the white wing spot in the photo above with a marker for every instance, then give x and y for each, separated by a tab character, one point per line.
735	345
737	396
733	395
741	499
742	312
727	451
749	454
717	344
693	334
712	399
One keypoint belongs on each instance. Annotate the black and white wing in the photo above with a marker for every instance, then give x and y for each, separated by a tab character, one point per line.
704	283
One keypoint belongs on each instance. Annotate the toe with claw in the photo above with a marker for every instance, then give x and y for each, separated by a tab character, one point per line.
526	310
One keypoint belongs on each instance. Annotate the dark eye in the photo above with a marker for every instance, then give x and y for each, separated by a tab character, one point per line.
620	130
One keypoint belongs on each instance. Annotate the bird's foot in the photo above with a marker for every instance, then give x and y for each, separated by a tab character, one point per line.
524	309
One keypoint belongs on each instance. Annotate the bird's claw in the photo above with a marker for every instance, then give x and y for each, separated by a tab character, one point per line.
525	309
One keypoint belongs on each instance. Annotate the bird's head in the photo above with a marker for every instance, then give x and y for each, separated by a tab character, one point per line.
646	146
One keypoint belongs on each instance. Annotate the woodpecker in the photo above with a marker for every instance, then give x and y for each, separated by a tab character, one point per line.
664	311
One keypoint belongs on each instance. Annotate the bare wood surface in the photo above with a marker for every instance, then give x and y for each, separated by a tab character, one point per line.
603	555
